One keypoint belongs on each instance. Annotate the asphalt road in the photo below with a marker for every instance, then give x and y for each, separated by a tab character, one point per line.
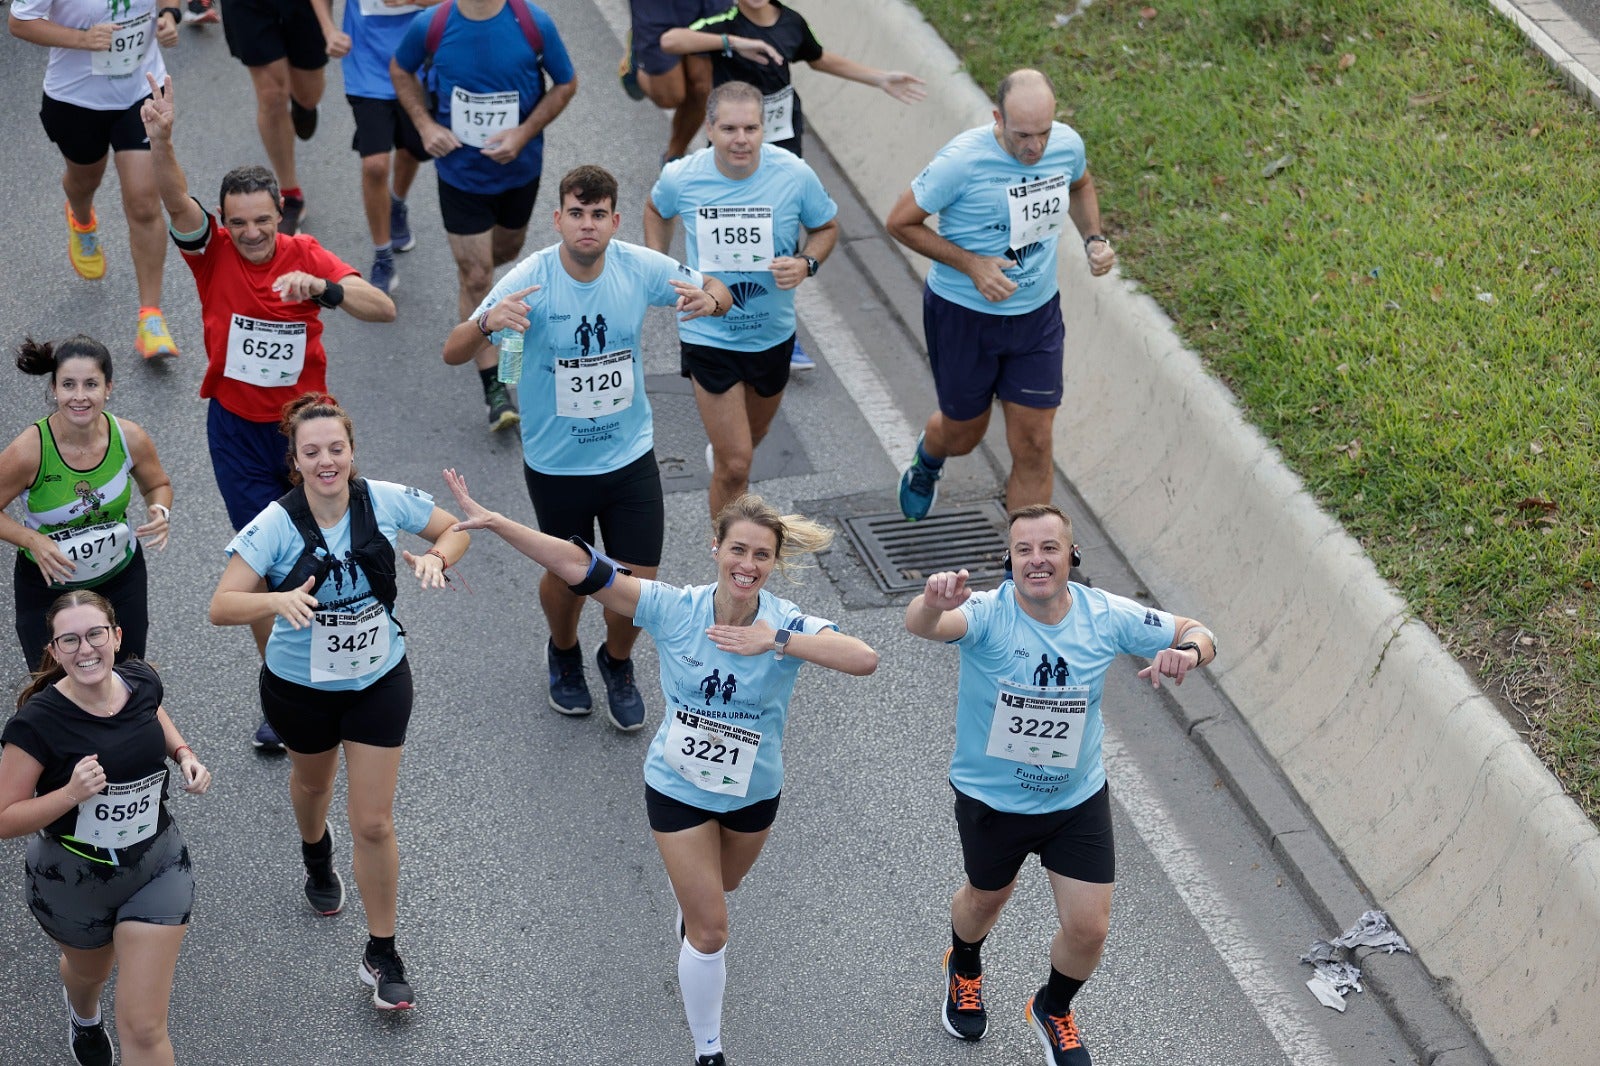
534	912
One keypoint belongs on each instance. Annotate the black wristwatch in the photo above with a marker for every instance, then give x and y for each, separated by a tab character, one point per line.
331	296
811	266
780	642
1189	645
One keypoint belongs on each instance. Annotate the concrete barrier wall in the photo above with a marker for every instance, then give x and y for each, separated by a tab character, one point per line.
1491	872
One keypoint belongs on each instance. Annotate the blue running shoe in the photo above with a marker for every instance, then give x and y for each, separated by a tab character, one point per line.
799	360
382	275
569	692
266	738
401	238
624	705
919	487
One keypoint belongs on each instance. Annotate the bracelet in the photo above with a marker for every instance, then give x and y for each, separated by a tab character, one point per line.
187	748
727	46
1091	238
166	512
439	555
330	297
177	20
716	304
482	323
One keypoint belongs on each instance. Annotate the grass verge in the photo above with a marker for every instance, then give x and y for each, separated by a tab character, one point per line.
1374	220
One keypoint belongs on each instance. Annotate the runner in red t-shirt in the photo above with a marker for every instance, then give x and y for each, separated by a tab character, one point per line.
261	298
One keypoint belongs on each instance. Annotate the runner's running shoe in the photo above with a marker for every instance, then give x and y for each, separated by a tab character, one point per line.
382	275
799	360
90	1044
266	738
624	705
294	215
400	236
710	1060
964	1015
1058	1033
304	119
628	73
154	342
324	886
83	245
201	13
502	412
385	974
919	487
569	692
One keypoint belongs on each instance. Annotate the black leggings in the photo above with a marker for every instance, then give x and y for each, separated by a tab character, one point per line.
127	590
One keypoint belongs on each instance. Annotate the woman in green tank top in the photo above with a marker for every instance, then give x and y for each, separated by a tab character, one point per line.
75	472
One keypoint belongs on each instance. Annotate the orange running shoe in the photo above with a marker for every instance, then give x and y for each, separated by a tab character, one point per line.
83	245
964	1016
1058	1033
154	342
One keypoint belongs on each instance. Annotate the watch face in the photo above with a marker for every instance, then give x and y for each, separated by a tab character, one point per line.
781	637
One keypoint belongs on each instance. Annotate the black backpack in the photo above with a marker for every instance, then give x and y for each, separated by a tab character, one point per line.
372	551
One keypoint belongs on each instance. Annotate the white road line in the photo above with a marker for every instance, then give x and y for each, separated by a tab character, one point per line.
1184	868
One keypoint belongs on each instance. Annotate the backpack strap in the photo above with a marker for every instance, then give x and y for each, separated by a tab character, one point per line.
436	21
530	28
311	563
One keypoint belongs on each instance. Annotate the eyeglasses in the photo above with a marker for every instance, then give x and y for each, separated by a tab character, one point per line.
97	636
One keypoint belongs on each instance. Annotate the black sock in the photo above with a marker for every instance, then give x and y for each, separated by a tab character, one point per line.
322	849
964	959
490	376
380	945
1059	992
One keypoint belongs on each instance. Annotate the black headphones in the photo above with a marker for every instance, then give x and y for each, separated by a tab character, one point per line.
1076	559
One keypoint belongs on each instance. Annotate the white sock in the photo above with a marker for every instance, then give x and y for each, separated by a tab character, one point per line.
83	1023
701	979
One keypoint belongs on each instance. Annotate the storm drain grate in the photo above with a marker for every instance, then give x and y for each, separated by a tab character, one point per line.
902	554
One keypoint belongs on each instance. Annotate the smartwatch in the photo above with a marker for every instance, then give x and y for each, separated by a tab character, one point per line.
1189	645
780	642
811	266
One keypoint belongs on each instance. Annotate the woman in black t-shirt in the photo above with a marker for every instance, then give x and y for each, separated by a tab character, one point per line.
84	771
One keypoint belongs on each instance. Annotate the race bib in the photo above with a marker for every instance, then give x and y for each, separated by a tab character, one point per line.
1039	726
130	41
1038	210
344	646
265	353
122	814
712	754
476	117
598	385
733	238
379	8
777	115
95	550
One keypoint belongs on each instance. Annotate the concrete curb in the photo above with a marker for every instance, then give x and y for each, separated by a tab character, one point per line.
1564	43
1438	806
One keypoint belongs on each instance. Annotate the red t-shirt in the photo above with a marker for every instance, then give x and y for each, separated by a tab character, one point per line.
233	289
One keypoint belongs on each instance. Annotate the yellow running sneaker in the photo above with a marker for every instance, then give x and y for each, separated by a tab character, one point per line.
154	341
83	245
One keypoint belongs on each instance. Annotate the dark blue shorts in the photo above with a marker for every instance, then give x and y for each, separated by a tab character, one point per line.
652	18
250	461
977	356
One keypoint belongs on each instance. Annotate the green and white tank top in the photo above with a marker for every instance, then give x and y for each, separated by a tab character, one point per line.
84	511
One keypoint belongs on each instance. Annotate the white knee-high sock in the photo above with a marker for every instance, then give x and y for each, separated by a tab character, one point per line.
701	978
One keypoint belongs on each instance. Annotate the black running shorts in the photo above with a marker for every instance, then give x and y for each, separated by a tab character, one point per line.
466	214
314	720
627	503
85	135
1075	843
719	369
668	815
382	126
260	32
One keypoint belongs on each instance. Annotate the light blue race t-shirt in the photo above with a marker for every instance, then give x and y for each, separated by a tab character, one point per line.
584	408
723	218
1028	726
271	545
487	58
990	204
720	745
375	31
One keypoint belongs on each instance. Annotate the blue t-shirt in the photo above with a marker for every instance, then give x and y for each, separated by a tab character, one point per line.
716	691
584	408
1013	666
491	56
972	185
762	314
271	545
373	39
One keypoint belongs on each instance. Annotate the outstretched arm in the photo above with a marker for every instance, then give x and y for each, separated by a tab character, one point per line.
158	114
562	558
907	88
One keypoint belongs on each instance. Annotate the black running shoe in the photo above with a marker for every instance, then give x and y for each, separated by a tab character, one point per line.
294	213
964	1014
569	692
304	119
324	886
502	412
624	705
385	974
1058	1033
89	1043
710	1060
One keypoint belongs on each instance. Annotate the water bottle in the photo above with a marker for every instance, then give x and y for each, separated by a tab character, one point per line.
510	357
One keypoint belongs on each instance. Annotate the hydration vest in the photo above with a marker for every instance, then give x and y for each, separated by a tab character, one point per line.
372	551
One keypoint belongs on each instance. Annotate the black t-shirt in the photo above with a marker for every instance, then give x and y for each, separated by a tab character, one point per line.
790	35
57	732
